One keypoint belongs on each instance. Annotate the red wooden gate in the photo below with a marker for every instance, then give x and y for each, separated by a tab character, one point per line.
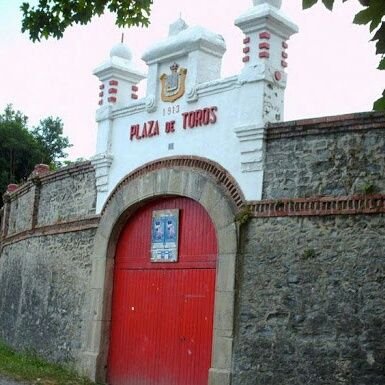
162	313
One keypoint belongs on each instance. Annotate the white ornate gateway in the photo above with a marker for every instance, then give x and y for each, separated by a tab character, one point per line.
188	109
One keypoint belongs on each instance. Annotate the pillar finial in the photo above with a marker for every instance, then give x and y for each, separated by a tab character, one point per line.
274	3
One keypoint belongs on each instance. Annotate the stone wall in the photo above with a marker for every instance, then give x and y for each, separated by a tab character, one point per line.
71	197
340	155
311	271
21	210
48	228
311	304
43	282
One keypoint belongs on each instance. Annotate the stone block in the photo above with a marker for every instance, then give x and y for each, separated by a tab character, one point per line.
86	365
177	178
195	185
222	352
93	336
210	196
98	272
224	311
100	244
223	213
130	193
226	272
162	180
217	205
108	288
147	185
219	377
96	304
227	239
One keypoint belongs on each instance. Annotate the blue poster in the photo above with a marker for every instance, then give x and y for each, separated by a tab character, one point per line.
164	235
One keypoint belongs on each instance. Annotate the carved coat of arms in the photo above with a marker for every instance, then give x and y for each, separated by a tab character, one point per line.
173	85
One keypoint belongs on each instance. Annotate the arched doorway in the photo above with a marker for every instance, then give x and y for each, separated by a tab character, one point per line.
162	312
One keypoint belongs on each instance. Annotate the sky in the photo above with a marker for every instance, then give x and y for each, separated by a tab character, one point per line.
332	64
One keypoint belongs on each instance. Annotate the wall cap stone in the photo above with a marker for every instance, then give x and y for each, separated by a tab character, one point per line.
75	169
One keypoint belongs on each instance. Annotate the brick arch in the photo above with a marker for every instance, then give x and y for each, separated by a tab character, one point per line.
216	172
194	178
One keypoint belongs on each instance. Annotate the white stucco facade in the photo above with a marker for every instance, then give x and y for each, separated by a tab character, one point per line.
218	119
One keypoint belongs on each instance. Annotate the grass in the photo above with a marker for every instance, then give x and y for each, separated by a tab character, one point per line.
31	368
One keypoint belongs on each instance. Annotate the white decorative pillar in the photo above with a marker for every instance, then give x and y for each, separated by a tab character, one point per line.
266	31
252	147
119	85
263	78
102	163
119	79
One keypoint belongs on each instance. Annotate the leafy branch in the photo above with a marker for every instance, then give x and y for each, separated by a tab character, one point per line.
52	17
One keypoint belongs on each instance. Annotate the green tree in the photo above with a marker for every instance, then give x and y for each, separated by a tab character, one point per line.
21	149
49	134
52	17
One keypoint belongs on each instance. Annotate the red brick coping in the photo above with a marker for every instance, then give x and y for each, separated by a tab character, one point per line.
319	206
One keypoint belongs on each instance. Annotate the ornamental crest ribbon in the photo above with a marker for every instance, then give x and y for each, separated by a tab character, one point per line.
173	85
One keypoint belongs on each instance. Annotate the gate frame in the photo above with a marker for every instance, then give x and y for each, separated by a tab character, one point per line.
196	178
